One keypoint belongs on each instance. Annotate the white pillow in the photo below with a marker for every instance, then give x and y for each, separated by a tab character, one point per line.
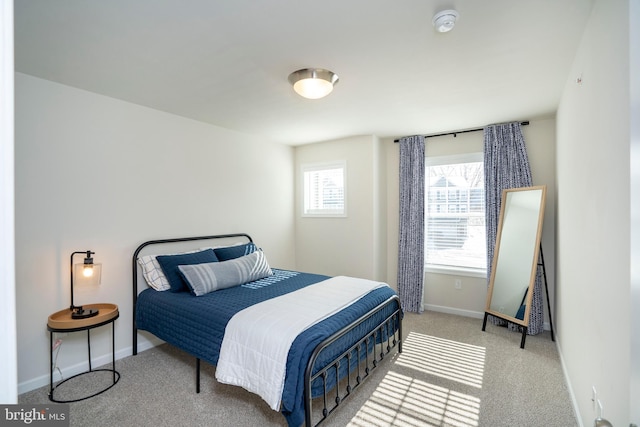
152	272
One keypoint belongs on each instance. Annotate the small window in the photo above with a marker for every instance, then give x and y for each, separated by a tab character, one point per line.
324	189
454	214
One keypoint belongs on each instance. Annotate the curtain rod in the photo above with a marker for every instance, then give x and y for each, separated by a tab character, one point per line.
455	133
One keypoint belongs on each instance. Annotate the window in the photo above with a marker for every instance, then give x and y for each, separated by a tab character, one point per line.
454	209
324	189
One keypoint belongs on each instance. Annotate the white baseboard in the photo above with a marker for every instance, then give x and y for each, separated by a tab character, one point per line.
466	313
572	395
453	310
96	362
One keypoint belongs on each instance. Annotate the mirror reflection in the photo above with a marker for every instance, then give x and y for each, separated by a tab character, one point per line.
516	254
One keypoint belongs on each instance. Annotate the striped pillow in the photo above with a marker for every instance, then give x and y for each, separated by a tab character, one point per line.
213	276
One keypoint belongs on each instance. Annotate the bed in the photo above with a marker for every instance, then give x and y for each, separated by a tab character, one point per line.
326	360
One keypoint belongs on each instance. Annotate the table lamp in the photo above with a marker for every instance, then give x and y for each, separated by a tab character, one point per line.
87	272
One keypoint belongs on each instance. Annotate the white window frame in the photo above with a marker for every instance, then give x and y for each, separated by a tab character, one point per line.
320	212
453	270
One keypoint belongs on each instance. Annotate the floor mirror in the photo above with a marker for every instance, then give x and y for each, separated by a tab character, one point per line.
516	257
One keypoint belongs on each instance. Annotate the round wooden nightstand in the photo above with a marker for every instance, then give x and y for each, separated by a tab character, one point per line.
62	322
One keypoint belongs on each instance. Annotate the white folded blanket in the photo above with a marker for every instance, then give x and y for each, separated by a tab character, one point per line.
257	339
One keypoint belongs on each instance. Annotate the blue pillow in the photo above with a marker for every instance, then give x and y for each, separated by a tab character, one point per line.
170	263
233	252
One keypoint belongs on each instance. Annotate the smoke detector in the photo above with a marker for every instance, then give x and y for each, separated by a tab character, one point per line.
445	21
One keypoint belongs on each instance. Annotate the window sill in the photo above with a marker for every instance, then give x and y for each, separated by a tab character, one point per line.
326	215
456	271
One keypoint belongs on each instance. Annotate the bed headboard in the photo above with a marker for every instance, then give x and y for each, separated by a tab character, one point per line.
166	242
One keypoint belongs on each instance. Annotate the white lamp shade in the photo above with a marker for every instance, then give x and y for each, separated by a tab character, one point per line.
313	88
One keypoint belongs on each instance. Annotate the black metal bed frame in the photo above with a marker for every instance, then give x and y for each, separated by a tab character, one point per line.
373	345
367	352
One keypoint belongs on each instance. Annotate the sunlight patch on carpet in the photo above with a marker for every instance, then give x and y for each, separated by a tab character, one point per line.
402	401
452	360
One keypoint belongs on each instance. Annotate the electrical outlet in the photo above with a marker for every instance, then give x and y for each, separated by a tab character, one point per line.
458	284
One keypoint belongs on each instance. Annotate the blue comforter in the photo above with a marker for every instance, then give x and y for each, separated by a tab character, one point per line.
197	324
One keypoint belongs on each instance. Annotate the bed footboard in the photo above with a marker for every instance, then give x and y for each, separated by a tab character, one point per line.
359	360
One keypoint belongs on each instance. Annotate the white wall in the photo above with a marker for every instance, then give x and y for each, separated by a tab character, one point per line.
8	355
593	221
440	294
97	173
634	116
352	245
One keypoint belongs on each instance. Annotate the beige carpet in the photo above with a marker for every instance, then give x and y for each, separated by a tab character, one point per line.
449	374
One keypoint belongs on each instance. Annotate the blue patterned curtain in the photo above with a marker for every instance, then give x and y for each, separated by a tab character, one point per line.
411	239
506	165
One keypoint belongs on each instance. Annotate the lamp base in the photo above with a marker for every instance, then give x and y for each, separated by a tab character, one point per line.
80	313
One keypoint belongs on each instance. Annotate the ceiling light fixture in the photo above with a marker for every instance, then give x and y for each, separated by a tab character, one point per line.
445	21
313	83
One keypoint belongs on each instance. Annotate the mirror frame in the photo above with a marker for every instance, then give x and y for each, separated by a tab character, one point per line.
534	262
